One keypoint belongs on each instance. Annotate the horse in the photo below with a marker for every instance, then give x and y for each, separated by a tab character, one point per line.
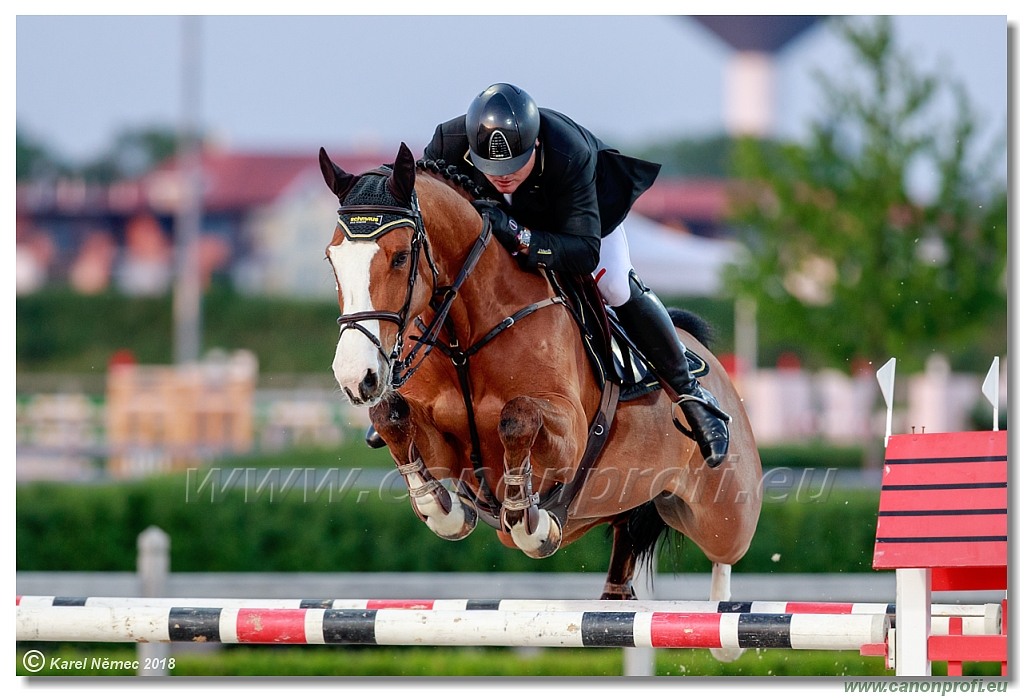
475	371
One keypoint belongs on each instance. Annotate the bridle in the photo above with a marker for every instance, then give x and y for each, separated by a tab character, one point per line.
442	297
410	216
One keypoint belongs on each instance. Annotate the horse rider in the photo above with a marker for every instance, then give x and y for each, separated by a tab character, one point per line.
562	195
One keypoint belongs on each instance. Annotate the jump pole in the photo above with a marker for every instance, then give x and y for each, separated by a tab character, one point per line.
976	619
405	627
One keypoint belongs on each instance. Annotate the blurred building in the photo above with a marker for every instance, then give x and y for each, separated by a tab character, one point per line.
266	218
756	42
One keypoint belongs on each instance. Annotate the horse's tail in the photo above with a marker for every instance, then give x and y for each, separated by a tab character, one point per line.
694	325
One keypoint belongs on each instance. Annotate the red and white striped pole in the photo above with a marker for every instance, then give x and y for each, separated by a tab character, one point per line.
402	626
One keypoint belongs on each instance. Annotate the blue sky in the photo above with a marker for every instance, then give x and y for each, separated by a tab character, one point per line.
343	81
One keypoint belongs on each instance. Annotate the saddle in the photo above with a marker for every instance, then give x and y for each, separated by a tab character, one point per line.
613	355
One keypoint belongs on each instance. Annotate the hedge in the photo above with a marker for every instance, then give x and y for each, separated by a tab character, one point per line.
93	527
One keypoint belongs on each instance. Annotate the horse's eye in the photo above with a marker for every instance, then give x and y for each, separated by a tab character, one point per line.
399	259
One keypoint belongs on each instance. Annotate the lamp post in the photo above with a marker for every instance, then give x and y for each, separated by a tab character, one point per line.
187	304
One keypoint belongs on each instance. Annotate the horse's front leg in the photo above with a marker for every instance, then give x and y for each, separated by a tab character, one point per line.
526	422
447	515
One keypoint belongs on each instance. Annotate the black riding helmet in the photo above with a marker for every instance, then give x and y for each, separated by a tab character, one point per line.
502	124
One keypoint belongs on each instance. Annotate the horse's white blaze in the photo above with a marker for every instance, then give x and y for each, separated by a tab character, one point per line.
356	354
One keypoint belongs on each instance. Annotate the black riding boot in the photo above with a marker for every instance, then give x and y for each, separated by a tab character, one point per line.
648	324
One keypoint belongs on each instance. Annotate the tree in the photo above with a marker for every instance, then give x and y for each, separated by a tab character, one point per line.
706	157
133	152
845	262
32	159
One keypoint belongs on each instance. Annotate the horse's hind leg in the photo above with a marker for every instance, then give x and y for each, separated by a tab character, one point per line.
721	590
619	583
721	582
442	511
635	535
722	525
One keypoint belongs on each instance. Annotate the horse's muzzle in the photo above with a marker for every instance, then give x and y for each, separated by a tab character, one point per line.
369	391
369	388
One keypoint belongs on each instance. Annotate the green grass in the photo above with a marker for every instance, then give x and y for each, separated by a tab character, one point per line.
475	662
460	662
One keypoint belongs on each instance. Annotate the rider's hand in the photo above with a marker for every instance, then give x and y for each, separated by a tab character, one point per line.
503	226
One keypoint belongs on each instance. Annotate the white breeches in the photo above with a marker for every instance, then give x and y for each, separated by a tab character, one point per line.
613	267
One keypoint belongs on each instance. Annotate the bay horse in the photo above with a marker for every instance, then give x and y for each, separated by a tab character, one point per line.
475	371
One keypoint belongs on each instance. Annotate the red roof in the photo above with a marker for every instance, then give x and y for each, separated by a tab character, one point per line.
689	199
238	180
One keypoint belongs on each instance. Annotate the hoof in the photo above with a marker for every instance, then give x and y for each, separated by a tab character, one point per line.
726	656
542	543
622	591
449	518
469	520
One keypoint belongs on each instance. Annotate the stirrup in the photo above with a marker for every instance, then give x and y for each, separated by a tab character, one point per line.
704	398
713	444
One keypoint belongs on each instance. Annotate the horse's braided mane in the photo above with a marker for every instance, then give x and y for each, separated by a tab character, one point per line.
452	175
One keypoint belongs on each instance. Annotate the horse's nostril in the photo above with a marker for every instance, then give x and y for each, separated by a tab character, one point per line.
368	386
